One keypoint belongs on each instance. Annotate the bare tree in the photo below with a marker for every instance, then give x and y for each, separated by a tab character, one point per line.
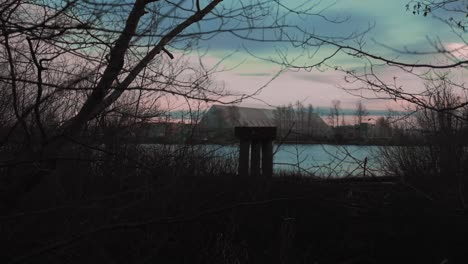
360	113
335	112
437	166
83	57
383	127
452	12
300	117
310	114
427	65
371	79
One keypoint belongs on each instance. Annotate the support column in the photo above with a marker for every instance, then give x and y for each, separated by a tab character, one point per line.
244	158
256	151
255	159
267	158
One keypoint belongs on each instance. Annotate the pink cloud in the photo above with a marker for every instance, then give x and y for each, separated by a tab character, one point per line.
318	89
458	50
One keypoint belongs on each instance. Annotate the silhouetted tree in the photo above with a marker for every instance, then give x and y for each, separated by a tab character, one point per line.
382	127
335	113
82	57
310	114
360	113
436	166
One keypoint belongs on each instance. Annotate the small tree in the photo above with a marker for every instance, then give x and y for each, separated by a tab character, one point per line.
360	113
382	127
310	116
335	112
300	117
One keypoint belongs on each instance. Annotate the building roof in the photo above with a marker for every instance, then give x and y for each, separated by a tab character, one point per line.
222	116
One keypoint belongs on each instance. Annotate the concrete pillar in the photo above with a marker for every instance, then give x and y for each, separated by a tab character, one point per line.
256	151
255	159
244	157
267	158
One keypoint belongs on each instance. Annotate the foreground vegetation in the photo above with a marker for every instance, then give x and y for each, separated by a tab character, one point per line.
128	204
75	73
103	201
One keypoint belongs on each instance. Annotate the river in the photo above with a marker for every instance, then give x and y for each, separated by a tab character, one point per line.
320	159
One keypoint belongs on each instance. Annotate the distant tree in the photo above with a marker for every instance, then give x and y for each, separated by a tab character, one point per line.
282	119
382	127
300	116
290	117
373	78
294	117
310	116
360	113
277	115
335	112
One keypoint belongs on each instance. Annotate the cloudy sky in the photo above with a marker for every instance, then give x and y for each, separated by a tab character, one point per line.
392	25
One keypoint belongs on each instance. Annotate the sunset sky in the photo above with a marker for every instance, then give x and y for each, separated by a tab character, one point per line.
393	25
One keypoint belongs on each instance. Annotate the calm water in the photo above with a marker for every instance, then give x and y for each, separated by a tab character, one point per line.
320	160
327	160
317	159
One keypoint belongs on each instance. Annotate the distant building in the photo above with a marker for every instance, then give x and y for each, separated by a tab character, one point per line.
355	132
220	120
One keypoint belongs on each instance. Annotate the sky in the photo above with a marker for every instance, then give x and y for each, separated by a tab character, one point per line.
392	25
